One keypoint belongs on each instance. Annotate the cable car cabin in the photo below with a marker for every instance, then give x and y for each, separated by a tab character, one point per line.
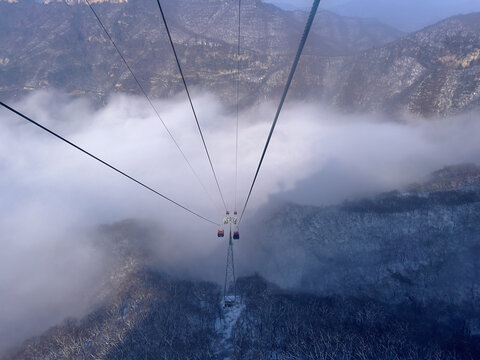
236	235
221	233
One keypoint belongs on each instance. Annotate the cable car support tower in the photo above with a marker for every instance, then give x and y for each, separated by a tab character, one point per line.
230	285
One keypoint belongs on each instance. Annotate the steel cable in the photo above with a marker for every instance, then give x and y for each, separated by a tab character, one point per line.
149	100
191	103
308	26
104	162
238	98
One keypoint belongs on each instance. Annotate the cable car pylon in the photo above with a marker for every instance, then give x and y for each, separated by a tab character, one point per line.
230	285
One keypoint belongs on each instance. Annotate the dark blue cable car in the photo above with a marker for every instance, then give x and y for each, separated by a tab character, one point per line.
236	235
221	233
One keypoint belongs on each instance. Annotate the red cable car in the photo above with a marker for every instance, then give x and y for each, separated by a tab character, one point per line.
236	235
221	233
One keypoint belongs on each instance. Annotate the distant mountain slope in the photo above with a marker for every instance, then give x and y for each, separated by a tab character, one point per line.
353	64
61	46
271	30
435	71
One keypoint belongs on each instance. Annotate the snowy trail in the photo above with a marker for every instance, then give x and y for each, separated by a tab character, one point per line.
224	327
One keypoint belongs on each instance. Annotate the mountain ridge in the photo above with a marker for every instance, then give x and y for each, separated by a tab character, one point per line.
355	65
69	51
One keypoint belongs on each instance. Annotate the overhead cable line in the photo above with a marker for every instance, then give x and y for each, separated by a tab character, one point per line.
238	97
148	99
104	162
308	26
191	103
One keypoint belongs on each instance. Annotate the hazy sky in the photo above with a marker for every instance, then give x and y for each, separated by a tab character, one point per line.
407	15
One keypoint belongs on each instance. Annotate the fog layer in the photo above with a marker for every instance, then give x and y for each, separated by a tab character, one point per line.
52	195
